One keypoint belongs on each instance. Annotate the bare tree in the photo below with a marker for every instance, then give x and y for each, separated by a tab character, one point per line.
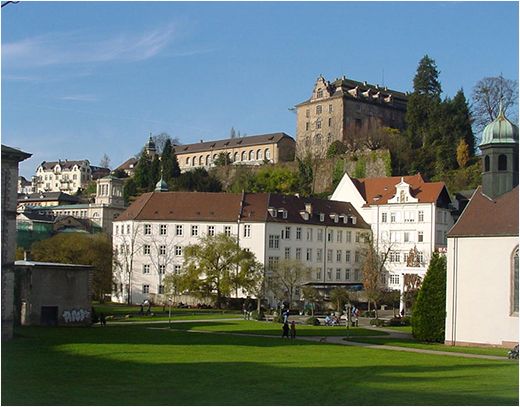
313	296
286	277
129	245
105	161
487	95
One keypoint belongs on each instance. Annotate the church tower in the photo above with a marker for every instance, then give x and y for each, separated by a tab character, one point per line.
499	148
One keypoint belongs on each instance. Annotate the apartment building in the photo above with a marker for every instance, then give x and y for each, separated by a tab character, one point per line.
150	236
410	219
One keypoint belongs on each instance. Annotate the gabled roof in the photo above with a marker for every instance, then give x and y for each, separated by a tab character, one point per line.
484	216
227	207
49	165
231	143
377	191
128	164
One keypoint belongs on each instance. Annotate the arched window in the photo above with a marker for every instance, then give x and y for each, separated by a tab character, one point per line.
207	160
251	155
486	163
235	157
502	162
193	161
200	160
259	155
267	154
514	283
215	156
317	139
244	156
187	160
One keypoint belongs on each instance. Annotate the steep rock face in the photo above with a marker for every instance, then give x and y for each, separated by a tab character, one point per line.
327	172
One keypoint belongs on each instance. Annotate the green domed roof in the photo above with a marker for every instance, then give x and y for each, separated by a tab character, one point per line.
161	186
499	131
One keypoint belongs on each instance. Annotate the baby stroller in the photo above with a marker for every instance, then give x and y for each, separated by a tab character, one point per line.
513	353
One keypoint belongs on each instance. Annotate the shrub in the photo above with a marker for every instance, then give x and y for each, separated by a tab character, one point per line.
377	322
399	321
312	321
369	314
259	316
429	312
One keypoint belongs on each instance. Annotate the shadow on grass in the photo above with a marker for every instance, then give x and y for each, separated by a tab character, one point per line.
66	367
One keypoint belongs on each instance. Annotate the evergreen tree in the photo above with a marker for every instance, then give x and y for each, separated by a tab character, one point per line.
129	190
429	311
143	172
155	173
426	81
169	163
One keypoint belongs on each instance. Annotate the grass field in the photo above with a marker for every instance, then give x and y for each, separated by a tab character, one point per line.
154	365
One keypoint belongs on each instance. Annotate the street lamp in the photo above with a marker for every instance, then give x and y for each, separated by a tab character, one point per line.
349	313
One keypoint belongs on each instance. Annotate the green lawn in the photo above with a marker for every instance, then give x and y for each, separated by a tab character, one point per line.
273	328
154	365
412	343
406	329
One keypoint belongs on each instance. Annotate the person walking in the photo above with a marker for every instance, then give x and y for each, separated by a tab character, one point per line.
285	330
293	330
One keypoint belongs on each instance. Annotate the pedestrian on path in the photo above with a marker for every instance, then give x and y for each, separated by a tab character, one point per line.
285	330
293	330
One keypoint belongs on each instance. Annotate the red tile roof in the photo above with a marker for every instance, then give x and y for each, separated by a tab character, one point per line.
377	191
226	207
484	216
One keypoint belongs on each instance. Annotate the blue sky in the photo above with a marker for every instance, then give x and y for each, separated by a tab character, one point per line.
80	79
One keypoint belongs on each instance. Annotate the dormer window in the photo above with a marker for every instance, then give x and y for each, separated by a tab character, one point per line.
322	217
319	93
284	214
272	212
345	218
354	220
304	215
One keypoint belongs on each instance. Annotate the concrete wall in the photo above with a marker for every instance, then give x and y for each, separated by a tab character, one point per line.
68	288
479	291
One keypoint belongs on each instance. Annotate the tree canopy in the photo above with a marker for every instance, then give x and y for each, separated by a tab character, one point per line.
286	277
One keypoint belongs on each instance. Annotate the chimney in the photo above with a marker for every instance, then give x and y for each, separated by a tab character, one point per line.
202	141
308	207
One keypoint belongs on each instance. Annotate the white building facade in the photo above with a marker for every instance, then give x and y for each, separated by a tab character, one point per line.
410	219
150	237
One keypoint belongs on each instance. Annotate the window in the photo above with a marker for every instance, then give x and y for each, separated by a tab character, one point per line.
318	273
194	230
318	124
339	256
514	285
486	163
338	274
329	273
358	237
309	254
147	229
177	268
356	274
211	230
274	241
347	256
330	236
117	229
267	154
319	254
258	155
339	236
406	237
347	274
394	279
329	255
502	162
420	216
298	253
162	268
286	233
161	289
146	269
178	250
348	236
128	227
356	256
409	217
309	234
146	288
319	93
298	233
162	229
307	126
251	155
320	235
247	230
319	109
162	250
420	236
227	230
392	217
146	249
394	257
179	230
307	113
330	121
244	156
272	262
287	253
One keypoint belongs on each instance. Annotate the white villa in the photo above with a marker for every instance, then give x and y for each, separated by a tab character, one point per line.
150	236
409	217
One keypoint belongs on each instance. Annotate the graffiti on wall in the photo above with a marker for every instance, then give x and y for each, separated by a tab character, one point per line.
75	315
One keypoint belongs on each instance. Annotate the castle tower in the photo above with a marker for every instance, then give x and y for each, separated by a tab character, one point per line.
150	147
499	148
110	191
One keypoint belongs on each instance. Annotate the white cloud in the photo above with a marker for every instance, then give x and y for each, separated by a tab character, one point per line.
80	98
76	48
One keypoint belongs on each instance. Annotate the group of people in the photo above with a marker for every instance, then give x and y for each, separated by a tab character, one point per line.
286	329
248	310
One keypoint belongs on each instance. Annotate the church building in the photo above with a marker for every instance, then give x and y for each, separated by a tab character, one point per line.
482	257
